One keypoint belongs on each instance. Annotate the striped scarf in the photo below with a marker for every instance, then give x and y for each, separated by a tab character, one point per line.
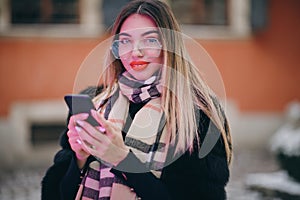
146	137
140	91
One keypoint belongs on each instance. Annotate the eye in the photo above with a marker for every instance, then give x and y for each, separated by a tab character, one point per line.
151	40
151	43
124	41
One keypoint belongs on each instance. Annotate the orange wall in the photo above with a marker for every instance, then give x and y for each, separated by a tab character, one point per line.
39	68
261	73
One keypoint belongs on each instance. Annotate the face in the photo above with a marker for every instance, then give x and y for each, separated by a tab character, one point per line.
140	46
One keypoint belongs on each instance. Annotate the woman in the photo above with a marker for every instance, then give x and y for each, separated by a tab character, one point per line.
155	114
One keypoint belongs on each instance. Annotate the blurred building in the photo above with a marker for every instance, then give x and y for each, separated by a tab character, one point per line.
254	43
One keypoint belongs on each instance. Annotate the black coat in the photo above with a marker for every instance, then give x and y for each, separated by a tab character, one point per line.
189	177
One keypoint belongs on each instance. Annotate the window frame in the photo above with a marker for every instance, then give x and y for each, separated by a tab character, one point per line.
91	24
239	24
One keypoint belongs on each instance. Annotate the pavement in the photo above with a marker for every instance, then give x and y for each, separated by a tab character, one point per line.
23	183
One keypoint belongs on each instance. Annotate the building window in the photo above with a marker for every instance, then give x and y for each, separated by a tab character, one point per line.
201	12
50	18
44	11
46	133
206	19
210	19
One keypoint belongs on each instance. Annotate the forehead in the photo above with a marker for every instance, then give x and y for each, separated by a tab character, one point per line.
137	23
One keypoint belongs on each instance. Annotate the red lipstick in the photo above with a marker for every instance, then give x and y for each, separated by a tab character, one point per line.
138	65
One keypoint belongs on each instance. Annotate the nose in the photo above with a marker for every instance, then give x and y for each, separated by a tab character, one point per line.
136	51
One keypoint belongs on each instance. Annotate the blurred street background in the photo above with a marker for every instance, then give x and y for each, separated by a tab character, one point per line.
255	45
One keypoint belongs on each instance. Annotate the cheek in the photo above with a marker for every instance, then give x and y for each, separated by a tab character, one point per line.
159	60
125	63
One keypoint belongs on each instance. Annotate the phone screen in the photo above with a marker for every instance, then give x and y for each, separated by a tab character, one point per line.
81	103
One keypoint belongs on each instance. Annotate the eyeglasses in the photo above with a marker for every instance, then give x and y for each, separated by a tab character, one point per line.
150	47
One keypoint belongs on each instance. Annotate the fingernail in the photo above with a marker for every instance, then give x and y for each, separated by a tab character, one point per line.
78	141
78	129
79	122
102	129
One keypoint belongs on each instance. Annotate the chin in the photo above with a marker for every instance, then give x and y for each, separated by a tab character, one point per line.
140	77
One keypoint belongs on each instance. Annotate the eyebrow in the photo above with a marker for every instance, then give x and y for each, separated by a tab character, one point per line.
144	34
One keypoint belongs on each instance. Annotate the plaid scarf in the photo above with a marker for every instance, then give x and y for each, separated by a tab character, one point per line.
140	91
146	137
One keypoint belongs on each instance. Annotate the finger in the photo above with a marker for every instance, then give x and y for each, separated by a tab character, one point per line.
104	122
109	127
75	139
74	118
75	145
82	136
78	144
89	132
72	133
71	124
84	147
89	143
96	115
81	116
78	141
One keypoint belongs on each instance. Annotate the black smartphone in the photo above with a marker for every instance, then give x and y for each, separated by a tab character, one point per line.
81	103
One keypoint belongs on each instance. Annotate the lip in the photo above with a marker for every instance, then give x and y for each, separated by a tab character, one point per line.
139	65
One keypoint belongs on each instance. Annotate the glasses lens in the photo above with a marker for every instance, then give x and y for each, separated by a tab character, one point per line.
115	49
150	43
121	47
125	46
151	47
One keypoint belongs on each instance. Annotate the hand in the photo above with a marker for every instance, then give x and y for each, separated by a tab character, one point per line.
109	145
75	142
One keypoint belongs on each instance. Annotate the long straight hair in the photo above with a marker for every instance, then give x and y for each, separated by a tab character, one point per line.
183	88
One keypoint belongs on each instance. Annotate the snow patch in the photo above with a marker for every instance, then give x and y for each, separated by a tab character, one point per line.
286	140
279	181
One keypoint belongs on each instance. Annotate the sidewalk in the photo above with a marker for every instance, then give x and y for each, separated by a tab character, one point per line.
24	184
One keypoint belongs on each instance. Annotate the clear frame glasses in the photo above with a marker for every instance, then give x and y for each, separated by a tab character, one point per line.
150	47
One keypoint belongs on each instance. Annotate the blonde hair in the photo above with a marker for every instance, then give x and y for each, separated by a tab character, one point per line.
183	86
